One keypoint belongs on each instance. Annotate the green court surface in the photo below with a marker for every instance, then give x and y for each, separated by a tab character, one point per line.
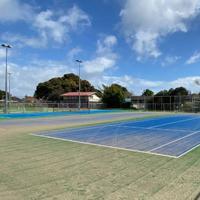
40	168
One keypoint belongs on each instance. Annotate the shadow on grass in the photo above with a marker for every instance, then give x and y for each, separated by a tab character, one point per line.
197	197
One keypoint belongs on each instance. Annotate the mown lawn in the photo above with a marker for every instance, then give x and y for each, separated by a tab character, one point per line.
39	168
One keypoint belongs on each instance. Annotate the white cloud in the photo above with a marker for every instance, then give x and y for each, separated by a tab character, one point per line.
169	60
106	45
76	17
146	44
20	41
105	57
48	26
194	58
188	82
197	81
145	22
71	55
58	27
2	53
99	64
13	10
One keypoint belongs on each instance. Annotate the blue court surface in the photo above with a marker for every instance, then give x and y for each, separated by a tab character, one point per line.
172	136
54	114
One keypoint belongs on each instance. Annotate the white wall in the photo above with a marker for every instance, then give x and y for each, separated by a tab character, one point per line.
94	98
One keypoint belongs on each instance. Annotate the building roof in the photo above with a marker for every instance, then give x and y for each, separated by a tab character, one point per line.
76	94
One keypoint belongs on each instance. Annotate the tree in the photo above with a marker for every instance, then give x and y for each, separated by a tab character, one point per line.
179	91
53	88
2	94
114	96
163	93
147	92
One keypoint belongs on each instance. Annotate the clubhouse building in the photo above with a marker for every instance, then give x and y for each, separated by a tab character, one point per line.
88	99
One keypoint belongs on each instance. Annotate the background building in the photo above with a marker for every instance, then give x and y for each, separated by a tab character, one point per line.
88	99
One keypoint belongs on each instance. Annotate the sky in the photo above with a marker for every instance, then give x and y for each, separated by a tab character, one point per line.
139	44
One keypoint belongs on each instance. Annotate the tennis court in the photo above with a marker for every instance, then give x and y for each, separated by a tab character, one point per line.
55	114
172	136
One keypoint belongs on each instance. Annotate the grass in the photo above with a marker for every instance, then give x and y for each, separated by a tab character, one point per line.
34	168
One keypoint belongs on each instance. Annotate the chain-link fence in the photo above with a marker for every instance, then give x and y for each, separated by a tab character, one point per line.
15	107
189	103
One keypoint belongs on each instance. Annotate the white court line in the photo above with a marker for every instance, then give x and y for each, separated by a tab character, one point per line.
184	120
101	145
188	151
194	133
144	128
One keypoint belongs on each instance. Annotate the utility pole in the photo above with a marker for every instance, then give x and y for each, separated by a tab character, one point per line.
9	87
79	83
6	46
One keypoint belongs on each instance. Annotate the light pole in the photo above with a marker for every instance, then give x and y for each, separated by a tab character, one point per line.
79	83
9	80
6	46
